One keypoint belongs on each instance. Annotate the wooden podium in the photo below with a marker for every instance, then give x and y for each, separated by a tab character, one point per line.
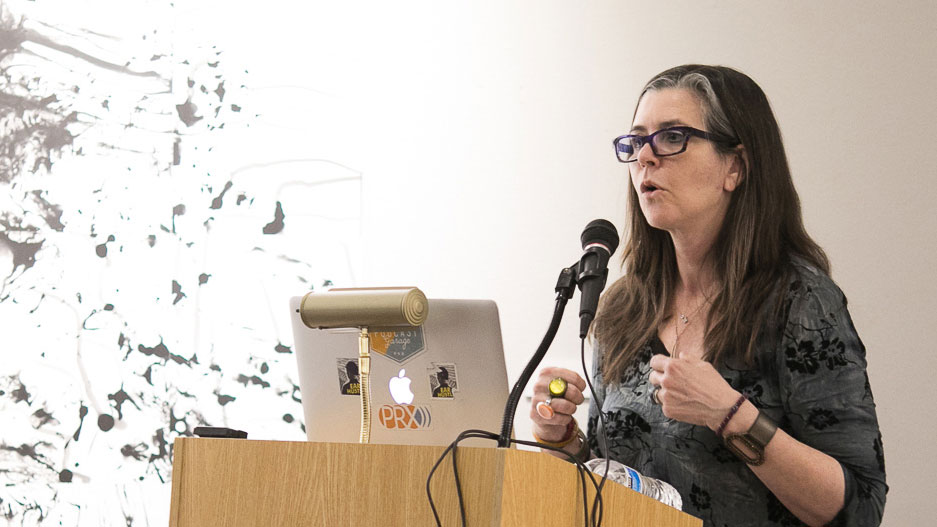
238	482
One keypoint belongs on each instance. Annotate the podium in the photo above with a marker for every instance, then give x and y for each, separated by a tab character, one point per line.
239	482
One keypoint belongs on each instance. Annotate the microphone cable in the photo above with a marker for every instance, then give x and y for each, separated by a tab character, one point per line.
582	471
598	408
597	511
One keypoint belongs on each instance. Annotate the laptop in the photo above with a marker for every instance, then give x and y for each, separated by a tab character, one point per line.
428	383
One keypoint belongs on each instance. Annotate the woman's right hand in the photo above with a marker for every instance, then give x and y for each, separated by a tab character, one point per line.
553	429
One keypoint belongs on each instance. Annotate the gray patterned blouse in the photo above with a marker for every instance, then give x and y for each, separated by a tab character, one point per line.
809	377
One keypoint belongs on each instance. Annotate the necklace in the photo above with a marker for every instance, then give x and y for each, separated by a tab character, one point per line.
686	322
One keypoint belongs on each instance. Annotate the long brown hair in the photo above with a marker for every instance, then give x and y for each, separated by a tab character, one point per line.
752	253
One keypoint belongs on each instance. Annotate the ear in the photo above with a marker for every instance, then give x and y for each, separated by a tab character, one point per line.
738	169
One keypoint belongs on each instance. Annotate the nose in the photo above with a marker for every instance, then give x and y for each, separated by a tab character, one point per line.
646	155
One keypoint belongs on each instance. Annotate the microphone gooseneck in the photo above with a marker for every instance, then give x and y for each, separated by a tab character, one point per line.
599	241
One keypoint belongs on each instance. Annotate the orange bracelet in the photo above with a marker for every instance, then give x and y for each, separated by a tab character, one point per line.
570	436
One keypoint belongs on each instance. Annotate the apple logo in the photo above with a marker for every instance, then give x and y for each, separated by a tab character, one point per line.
400	388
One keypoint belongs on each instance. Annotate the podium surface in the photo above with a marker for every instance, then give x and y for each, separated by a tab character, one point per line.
237	482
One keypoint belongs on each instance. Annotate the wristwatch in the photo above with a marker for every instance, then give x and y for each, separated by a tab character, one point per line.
750	446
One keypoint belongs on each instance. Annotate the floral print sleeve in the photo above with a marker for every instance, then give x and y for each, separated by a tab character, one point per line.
598	384
809	376
826	396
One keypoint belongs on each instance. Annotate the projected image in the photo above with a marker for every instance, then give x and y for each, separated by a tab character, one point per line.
149	243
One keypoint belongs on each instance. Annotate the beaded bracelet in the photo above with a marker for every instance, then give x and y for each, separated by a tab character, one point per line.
728	417
570	436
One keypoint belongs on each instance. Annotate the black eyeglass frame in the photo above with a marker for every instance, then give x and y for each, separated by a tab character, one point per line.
688	132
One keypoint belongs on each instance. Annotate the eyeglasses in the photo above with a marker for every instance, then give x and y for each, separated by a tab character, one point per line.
665	142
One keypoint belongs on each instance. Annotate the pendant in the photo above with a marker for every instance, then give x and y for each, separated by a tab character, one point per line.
684	319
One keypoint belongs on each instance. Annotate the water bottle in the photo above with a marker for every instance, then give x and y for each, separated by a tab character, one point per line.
631	478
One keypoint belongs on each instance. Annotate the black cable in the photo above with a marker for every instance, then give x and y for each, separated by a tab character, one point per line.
582	471
458	482
598	407
429	494
455	467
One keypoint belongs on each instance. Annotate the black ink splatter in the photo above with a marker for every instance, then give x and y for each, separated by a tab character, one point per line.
105	422
244	379
187	111
276	225
120	397
174	424
176	152
177	290
24	253
29	451
280	348
203	278
20	394
101	250
264	368
151	239
43	417
224	399
137	451
162	447
65	476
50	212
178	210
123	341
148	375
288	418
82	412
161	351
218	201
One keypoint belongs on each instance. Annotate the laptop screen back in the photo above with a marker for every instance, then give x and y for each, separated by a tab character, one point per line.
428	383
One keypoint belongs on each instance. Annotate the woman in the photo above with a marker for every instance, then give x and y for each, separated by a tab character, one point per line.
726	361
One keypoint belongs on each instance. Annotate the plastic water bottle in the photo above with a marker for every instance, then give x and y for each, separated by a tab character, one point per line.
631	478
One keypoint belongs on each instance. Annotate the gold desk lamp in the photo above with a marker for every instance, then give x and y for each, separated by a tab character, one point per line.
364	308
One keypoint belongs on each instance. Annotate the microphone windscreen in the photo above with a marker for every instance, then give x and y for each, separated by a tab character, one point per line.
600	231
364	307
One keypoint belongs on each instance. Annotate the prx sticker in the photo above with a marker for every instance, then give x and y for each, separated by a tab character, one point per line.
405	417
399	345
348	379
443	380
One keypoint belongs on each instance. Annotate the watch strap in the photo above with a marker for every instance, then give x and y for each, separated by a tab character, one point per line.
762	430
754	441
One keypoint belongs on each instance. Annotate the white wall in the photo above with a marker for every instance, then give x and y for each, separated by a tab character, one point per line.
492	128
470	142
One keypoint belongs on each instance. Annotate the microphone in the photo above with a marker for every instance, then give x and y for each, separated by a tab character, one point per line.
599	241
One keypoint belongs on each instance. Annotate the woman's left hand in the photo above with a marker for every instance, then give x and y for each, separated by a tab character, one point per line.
691	390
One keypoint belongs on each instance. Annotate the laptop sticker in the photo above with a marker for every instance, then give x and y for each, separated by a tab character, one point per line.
443	380
398	345
405	417
348	379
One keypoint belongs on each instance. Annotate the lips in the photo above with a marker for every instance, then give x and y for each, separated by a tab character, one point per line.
648	187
